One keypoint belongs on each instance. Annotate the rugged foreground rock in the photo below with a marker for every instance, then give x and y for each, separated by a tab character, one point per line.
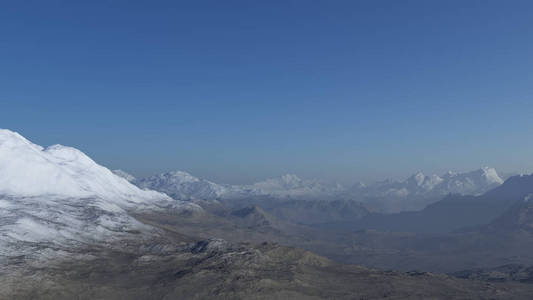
215	269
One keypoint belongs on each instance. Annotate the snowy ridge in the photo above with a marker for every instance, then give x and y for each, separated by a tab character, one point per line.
414	193
470	183
183	186
59	196
27	169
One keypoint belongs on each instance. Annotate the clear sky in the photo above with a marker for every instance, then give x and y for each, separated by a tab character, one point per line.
236	91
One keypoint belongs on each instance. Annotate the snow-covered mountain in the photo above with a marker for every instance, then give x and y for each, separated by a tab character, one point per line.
419	190
182	185
58	196
472	183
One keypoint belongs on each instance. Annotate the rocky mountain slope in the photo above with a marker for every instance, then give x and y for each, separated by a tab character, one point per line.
214	269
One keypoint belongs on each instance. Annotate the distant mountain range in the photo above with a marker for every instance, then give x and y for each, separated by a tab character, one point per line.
419	190
184	186
413	193
457	233
454	211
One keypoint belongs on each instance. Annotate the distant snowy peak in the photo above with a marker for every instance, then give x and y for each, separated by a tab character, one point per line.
423	182
418	190
475	182
124	175
284	182
182	185
490	175
471	183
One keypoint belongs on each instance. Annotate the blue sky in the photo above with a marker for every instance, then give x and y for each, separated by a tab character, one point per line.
235	91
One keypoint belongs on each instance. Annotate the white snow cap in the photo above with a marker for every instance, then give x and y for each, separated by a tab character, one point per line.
28	170
491	175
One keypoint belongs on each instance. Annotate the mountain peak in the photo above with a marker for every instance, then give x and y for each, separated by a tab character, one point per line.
6	134
27	169
9	140
183	186
418	178
423	190
182	176
491	175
